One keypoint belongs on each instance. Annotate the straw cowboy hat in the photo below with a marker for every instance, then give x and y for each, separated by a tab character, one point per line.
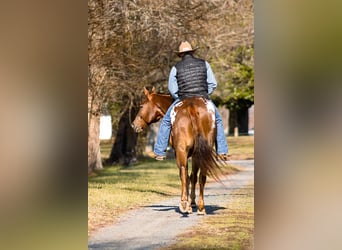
185	47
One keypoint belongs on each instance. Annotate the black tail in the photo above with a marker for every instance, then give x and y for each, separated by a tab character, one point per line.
204	156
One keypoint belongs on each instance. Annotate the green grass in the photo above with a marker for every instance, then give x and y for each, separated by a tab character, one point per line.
106	147
241	148
232	228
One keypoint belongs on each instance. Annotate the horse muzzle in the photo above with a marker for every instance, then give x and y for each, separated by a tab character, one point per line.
136	128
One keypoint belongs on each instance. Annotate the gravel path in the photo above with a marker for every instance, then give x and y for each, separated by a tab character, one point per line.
158	225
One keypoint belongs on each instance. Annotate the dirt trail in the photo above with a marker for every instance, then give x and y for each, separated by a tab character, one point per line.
158	225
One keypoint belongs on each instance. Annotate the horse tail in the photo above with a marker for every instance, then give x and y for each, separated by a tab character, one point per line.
205	157
203	154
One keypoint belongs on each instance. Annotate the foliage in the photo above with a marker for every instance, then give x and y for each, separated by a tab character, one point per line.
236	89
132	43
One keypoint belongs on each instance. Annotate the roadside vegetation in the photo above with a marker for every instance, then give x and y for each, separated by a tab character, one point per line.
117	189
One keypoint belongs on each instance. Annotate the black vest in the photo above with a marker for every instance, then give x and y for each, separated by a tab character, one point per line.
192	77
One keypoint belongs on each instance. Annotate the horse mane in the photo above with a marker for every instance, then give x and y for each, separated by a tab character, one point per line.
162	100
162	95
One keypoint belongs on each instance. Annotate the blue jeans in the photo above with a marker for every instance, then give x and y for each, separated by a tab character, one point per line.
165	130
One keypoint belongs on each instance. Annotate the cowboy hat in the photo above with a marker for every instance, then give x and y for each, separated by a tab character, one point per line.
185	47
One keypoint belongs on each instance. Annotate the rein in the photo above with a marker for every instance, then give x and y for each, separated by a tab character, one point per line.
158	105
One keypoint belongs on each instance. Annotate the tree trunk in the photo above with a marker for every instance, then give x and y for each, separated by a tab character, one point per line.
94	152
232	121
123	150
238	118
242	120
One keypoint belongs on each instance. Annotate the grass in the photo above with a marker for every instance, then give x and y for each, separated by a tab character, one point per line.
232	228
117	189
106	147
241	148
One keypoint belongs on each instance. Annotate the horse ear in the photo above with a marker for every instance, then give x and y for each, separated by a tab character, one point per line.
154	90
147	93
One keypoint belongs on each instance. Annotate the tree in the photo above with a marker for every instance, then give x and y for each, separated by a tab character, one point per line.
237	88
132	44
123	150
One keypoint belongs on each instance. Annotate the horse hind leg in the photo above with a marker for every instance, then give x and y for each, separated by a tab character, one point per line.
189	205
185	208
193	179
202	180
184	205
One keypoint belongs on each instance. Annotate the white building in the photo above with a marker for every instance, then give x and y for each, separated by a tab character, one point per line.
105	127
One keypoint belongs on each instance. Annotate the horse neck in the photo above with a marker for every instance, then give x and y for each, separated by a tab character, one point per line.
164	102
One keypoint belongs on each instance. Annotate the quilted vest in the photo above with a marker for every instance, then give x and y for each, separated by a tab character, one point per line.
191	77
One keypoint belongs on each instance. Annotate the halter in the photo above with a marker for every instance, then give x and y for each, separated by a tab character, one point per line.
144	120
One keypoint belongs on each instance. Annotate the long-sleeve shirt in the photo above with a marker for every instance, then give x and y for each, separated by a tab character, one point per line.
173	86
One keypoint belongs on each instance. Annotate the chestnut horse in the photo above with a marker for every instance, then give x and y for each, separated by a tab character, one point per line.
193	134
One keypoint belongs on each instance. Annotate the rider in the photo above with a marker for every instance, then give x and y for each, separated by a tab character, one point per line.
190	77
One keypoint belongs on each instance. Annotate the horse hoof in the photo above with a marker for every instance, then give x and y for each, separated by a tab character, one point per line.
184	207
201	212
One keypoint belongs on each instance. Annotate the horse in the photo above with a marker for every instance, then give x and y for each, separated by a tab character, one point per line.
193	135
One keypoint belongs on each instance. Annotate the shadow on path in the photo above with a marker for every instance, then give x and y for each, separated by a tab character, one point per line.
164	208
